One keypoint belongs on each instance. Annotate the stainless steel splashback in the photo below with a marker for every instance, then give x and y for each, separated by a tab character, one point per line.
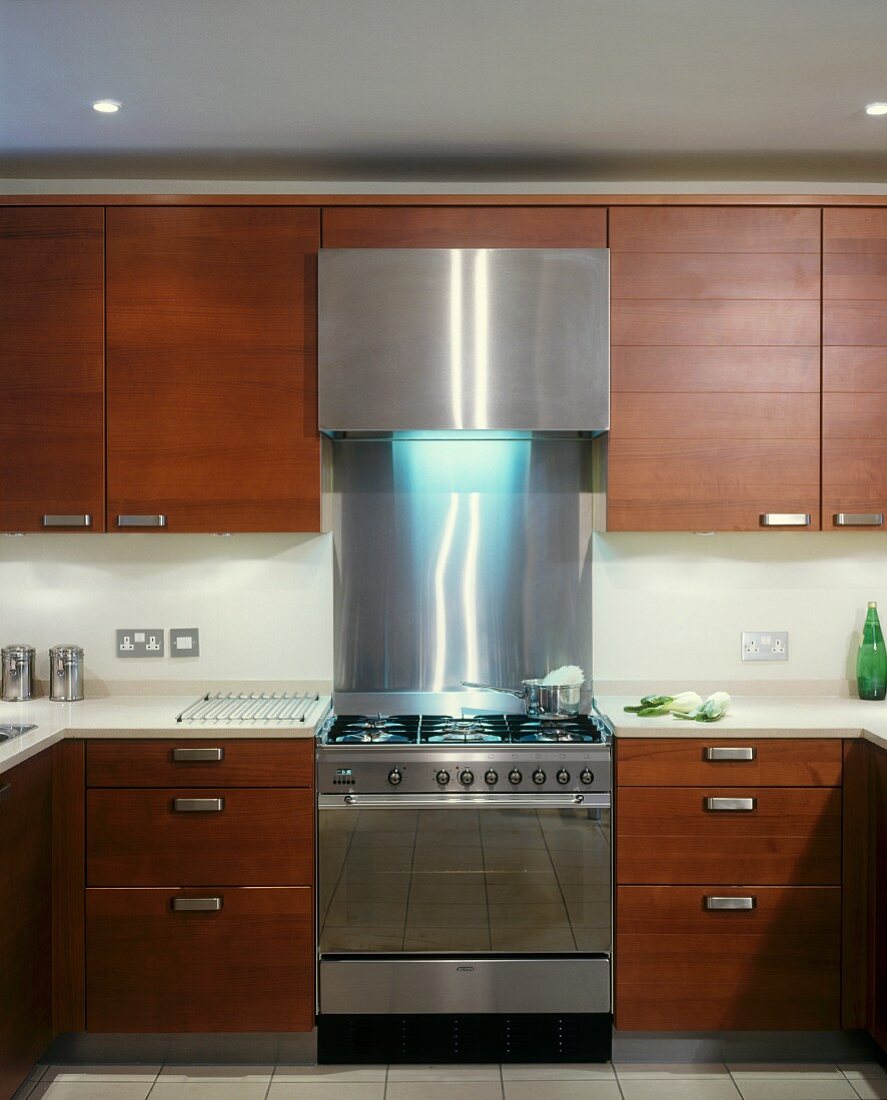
435	339
460	560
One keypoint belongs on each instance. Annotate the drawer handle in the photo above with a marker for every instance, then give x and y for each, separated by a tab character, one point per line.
197	905
198	805
68	521
785	519
731	903
724	752
731	805
5	792
181	756
859	519
141	521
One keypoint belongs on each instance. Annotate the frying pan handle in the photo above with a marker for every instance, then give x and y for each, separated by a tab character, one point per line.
521	694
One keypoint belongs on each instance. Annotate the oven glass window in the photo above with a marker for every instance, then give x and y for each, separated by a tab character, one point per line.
465	880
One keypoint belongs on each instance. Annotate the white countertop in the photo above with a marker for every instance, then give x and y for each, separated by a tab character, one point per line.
761	716
130	716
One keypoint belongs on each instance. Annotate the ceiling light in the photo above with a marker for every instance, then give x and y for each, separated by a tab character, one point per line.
876	108
106	106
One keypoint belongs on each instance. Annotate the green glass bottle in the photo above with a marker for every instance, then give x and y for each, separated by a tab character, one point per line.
871	660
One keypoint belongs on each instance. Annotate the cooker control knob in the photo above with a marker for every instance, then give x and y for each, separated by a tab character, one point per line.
514	776
491	777
443	777
466	777
563	776
587	776
538	777
394	777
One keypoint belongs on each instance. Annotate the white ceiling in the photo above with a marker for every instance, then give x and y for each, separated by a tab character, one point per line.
353	88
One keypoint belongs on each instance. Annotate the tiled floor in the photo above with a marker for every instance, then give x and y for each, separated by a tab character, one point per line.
622	1081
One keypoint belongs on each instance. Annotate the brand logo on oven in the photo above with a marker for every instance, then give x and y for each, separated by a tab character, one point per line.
464	969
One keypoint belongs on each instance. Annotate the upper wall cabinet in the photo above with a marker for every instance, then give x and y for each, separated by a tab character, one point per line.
854	368
715	369
465	227
52	364
211	369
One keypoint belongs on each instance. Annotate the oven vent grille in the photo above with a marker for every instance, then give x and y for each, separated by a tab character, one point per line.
252	707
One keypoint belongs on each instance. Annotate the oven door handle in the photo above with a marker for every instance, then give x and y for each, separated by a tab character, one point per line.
353	801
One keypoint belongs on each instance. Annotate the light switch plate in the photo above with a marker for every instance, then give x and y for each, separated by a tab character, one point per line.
765	645
184	642
140	641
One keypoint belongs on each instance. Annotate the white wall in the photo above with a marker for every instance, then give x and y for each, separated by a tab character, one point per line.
263	603
669	609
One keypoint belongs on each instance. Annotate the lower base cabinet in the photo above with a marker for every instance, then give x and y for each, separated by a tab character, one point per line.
200	960
682	965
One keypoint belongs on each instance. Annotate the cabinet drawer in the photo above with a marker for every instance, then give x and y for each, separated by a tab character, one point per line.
792	836
246	966
791	763
254	838
680	966
244	763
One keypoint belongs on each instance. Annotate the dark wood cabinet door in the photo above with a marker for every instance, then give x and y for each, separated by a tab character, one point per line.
465	227
854	368
715	416
212	377
25	915
52	447
878	1000
247	965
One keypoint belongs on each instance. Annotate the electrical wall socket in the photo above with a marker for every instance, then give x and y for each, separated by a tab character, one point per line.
140	642
765	645
184	642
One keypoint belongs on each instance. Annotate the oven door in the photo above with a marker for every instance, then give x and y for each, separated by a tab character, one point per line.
427	903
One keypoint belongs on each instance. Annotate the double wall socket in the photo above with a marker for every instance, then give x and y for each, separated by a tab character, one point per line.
140	642
765	645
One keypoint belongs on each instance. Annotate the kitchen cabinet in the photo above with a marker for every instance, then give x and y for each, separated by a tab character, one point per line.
715	405
211	369
199	885
854	367
728	884
25	919
52	363
878	924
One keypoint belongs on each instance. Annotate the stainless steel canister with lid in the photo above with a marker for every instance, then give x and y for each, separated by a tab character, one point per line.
18	673
66	673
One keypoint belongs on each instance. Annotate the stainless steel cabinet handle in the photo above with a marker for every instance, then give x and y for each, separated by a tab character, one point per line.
725	752
197	905
68	521
785	519
198	805
731	903
5	791
141	521
728	805
181	756
859	519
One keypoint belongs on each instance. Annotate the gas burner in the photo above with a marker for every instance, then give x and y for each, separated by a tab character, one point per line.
377	723
462	737
374	736
546	730
462	731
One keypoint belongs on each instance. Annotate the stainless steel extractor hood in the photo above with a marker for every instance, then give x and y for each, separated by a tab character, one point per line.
435	340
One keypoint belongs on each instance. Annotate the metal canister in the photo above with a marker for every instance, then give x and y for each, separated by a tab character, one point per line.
66	673
18	673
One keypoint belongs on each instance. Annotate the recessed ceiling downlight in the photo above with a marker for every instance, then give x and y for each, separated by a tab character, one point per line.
106	106
876	108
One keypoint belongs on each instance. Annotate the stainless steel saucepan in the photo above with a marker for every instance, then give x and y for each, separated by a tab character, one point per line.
540	699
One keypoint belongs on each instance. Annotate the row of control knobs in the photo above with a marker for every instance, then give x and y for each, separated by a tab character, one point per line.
491	777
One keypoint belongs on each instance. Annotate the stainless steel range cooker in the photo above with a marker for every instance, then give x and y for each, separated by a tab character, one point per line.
464	879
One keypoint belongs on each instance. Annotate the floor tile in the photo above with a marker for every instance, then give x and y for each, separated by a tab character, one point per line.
862	1069
190	1075
652	1071
439	1090
785	1087
562	1090
807	1070
317	1089
678	1088
212	1090
483	1072
559	1071
109	1072
869	1088
343	1074
92	1090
